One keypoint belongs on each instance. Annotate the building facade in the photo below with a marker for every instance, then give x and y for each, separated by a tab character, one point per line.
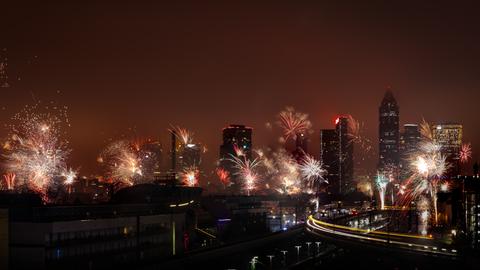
329	156
345	155
336	153
449	137
143	224
409	142
237	142
389	138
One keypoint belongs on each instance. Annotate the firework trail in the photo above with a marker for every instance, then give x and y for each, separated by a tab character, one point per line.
185	136
35	151
426	130
423	211
9	180
246	170
238	151
190	176
223	176
381	182
293	123
465	153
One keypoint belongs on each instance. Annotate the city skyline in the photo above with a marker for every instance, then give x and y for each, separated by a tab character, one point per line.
246	135
94	68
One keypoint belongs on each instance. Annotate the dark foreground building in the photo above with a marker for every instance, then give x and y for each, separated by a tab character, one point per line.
142	224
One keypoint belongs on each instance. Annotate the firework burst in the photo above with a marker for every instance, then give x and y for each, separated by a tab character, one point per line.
223	176
312	170
130	162
283	170
246	170
122	162
465	153
190	176
69	175
356	134
293	123
35	151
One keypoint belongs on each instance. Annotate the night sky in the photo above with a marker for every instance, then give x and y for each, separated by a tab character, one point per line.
132	69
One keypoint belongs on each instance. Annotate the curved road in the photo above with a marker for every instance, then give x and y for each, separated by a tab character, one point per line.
411	243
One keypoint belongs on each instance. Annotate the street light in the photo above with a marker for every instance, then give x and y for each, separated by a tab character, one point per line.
298	252
308	248
318	246
270	257
284	257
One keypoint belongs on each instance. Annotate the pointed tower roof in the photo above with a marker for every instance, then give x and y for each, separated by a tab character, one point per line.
388	99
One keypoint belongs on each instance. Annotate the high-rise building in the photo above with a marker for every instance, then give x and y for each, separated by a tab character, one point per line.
237	142
191	155
151	152
388	135
336	153
329	156
409	142
345	155
449	137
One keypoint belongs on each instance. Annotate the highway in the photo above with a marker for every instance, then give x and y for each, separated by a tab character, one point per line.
406	242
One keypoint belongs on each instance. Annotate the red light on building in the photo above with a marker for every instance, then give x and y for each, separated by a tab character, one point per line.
337	120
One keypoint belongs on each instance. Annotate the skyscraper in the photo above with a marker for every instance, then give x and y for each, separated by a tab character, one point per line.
388	135
336	153
190	155
345	155
237	142
151	152
449	137
329	157
409	142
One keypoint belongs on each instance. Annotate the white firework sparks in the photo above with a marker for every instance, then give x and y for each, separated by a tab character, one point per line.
69	175
381	182
122	161
35	150
312	170
131	162
246	170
